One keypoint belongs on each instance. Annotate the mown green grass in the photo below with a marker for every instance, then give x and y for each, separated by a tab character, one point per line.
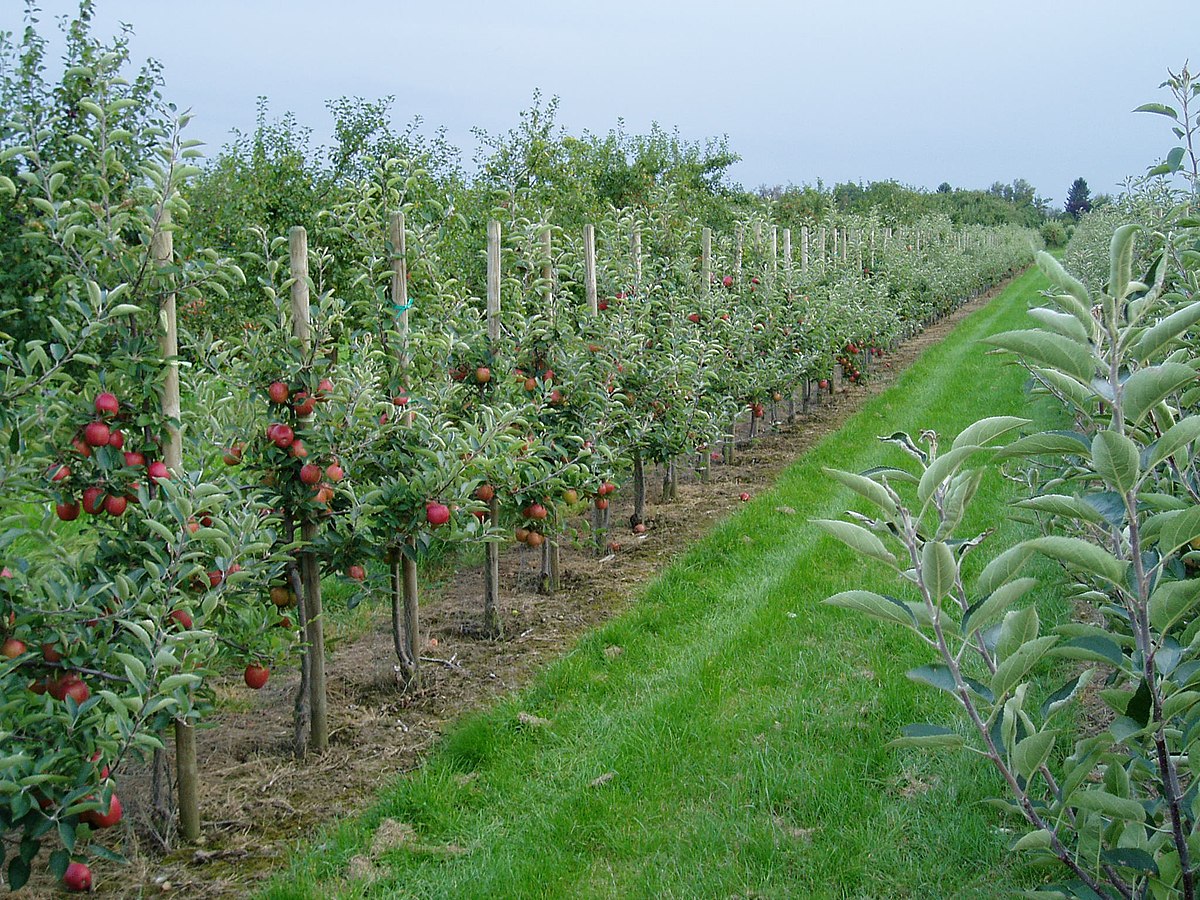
740	737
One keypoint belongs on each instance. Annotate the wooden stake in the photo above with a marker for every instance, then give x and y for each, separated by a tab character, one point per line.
186	770
549	581
310	573
705	260
804	248
589	267
493	622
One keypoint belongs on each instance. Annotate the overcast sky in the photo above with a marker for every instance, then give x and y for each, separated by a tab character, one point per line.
919	91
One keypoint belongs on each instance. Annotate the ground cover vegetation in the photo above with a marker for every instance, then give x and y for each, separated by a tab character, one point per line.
222	384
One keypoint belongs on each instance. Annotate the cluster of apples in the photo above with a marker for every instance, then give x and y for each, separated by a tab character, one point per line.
320	478
99	440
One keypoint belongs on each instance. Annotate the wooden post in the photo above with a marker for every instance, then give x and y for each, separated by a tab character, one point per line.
821	243
405	597
310	574
757	237
703	467
774	255
804	248
186	771
493	622
739	232
787	256
635	249
589	267
551	555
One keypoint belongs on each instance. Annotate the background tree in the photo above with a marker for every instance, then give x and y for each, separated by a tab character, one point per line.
1077	199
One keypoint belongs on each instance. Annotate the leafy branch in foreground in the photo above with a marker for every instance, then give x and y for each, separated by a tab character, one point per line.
1117	502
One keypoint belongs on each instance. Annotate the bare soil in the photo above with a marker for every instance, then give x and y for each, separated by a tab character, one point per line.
259	802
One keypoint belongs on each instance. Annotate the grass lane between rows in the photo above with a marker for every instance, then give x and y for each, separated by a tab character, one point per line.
737	743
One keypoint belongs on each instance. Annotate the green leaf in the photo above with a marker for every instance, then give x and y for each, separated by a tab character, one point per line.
872	490
927	736
992	608
1108	805
940	677
1019	627
1003	568
1145	388
1116	459
1017	666
1062	505
1130	858
1053	442
1160	109
1093	648
984	431
58	862
18	873
1164	331
1068	283
938	569
1174	439
1172	601
874	605
1061	323
941	469
857	538
1080	554
1030	753
1178	528
1065	694
1046	349
1120	258
1034	840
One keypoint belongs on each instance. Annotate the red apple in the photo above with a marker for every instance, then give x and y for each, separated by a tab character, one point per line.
743	496
12	648
134	458
158	469
233	455
727	281
256	676
334	472
483	375
694	318
601	503
59	472
114	505
97	819
400	400
310	474
182	617
303	405
278	392
437	514
93	500
78	878
51	653
116	439
96	434
281	435
535	511
107	404
639	528
485	492
357	572
324	389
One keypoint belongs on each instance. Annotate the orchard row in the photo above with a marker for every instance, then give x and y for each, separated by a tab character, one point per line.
174	497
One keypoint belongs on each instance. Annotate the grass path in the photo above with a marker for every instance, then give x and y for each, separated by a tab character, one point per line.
727	736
